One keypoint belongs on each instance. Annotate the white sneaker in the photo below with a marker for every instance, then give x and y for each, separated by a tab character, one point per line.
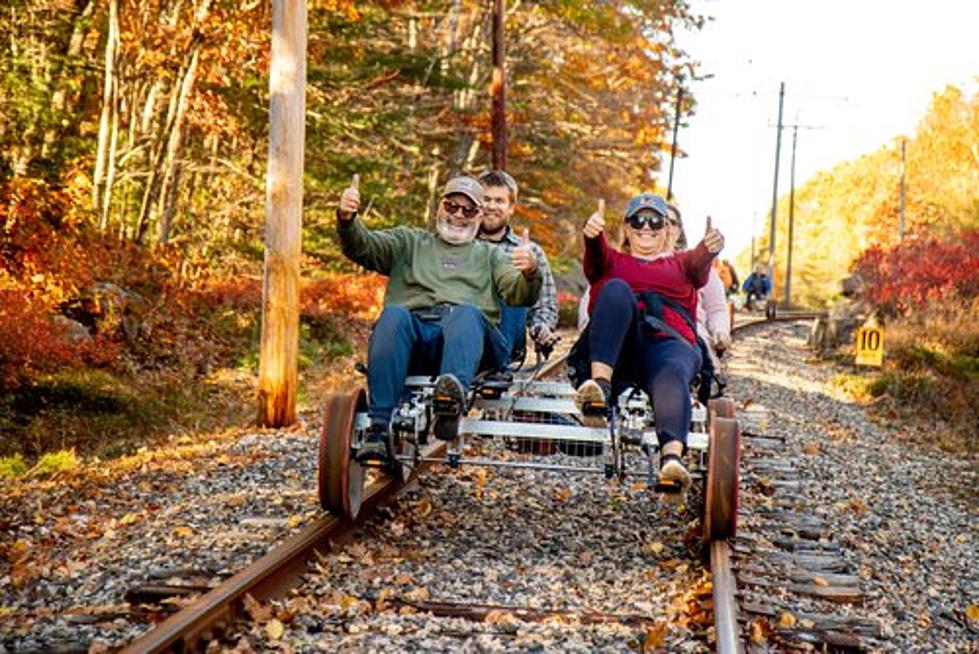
672	472
592	403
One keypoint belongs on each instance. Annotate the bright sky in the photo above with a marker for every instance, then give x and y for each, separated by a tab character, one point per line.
863	71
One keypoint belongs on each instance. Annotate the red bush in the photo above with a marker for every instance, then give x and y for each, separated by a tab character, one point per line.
31	342
351	295
920	272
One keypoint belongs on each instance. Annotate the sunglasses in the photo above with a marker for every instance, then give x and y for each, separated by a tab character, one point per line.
455	209
656	223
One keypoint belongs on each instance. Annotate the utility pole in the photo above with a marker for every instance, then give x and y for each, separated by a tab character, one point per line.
788	259
498	87
279	354
900	225
676	126
778	149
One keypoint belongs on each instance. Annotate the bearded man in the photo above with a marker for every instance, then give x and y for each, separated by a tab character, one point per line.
499	204
440	313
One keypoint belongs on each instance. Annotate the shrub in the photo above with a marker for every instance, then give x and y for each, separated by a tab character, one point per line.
921	273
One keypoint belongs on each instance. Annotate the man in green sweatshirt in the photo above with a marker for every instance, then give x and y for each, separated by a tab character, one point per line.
441	311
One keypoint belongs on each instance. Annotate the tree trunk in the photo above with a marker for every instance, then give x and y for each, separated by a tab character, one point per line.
111	43
59	99
113	148
174	146
277	375
157	157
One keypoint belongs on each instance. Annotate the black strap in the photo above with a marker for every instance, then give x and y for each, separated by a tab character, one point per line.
652	315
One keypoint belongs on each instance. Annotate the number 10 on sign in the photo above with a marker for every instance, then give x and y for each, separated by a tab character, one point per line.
870	346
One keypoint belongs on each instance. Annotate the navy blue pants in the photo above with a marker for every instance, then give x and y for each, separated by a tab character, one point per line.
663	367
461	342
513	326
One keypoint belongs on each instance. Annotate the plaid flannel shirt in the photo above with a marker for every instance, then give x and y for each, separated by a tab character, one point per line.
544	311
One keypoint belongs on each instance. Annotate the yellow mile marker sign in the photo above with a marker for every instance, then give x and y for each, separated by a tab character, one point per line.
870	346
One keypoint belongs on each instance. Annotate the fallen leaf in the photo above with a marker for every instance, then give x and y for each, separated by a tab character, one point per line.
819	581
760	630
255	609
274	629
654	548
497	616
562	494
294	521
972	612
786	620
417	594
183	532
655	637
128	519
806	623
811	448
424	508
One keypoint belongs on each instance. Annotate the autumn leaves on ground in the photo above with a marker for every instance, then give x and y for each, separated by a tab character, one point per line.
132	164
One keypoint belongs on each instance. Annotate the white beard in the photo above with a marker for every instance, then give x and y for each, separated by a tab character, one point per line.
456	234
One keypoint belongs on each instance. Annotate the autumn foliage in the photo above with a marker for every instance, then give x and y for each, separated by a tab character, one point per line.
921	274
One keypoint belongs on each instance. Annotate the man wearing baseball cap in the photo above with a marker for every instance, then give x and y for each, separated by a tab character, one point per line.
440	311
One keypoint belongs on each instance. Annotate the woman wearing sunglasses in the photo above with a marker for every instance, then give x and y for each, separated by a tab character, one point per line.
640	330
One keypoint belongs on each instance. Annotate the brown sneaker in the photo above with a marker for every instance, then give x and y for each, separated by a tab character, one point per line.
591	398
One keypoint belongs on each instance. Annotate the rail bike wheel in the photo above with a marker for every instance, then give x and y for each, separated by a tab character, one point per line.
721	407
341	478
721	484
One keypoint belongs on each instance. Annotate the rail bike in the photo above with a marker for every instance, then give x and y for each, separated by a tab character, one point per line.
535	418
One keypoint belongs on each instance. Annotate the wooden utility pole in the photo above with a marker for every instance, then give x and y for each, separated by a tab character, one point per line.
277	372
778	150
498	87
676	127
788	258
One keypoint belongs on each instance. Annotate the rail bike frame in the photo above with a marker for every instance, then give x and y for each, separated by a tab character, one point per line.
535	417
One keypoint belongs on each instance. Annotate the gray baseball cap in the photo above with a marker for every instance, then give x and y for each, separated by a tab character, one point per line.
467	186
646	201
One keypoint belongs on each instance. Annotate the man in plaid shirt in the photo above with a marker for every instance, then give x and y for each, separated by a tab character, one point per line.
499	201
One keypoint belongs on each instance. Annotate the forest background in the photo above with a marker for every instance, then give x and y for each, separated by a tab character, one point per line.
133	143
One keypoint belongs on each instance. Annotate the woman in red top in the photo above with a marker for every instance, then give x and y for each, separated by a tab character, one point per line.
663	360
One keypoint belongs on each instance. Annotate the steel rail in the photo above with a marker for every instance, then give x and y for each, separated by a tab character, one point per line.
275	572
280	569
726	630
267	577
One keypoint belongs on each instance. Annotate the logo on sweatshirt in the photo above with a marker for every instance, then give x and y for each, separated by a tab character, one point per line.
450	263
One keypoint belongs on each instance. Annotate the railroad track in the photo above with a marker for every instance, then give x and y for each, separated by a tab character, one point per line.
272	575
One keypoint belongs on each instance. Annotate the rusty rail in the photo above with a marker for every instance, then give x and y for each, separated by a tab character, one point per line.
271	575
275	572
280	569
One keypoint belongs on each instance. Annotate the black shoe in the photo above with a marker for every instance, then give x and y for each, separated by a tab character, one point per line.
376	448
449	400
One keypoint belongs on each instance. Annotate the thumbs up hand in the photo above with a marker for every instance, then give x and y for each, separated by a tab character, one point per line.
713	239
522	257
350	199
596	222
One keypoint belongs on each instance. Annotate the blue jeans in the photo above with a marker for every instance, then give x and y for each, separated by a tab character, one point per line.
403	344
663	367
513	326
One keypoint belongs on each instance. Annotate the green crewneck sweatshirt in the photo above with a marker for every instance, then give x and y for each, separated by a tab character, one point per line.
425	271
